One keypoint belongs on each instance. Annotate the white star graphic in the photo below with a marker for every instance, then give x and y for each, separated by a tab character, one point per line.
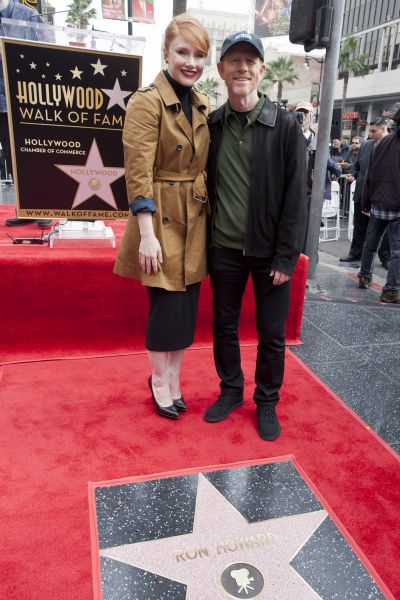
43	76
221	537
47	64
98	67
94	178
22	56
76	73
17	70
123	73
32	65
116	96
58	76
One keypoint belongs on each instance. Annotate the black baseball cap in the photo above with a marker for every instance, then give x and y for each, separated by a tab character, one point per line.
242	37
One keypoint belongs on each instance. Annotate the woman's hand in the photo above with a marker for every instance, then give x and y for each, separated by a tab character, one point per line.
150	253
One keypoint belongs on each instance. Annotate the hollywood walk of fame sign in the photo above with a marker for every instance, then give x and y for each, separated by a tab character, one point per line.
66	114
249	532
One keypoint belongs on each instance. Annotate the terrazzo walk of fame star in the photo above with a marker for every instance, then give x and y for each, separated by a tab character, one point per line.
246	532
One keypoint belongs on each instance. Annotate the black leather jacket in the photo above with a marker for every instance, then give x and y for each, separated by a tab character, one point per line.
277	204
382	181
360	168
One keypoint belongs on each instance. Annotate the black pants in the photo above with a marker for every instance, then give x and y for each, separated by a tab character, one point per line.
384	248
229	272
5	141
359	232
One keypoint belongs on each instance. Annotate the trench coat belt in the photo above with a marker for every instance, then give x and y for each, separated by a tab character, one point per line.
199	183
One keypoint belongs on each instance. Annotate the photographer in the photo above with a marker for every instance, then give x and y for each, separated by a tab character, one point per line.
306	110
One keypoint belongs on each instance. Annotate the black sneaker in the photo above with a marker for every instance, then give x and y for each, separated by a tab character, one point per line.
267	425
364	282
222	408
349	258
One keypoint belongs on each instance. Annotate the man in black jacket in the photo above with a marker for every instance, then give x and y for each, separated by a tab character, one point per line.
381	199
360	220
378	130
256	184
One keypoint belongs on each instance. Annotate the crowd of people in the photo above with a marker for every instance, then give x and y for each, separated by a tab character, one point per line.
376	170
376	196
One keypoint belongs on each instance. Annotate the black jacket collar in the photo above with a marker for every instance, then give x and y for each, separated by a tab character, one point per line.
267	116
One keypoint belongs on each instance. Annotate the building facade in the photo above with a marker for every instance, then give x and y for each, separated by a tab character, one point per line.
376	25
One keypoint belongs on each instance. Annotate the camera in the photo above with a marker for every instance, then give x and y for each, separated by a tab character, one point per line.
299	116
296	114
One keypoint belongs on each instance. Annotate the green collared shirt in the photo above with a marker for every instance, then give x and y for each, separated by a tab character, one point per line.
233	179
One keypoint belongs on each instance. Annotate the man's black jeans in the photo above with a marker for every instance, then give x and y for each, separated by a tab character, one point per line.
229	272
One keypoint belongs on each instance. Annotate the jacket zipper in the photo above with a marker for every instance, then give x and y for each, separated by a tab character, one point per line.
251	180
215	189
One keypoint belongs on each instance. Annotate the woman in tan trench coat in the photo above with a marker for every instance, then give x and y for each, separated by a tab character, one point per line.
166	143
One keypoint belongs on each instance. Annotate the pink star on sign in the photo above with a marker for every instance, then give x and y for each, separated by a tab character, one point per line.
94	178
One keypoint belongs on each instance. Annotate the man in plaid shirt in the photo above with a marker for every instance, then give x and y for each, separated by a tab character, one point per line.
381	200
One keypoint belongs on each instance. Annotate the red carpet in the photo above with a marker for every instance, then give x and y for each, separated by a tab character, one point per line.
67	302
68	422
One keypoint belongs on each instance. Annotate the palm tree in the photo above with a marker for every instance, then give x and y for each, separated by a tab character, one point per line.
209	86
281	71
265	86
350	63
80	14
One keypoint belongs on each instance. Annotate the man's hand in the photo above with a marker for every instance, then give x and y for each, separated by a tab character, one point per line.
350	178
366	212
279	277
150	253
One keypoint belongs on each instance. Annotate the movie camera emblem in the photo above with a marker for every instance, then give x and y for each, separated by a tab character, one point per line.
242	580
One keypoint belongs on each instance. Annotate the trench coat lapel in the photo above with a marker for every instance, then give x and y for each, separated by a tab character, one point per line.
199	111
184	125
170	99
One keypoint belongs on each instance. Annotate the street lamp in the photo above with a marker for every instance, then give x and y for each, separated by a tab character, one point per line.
319	83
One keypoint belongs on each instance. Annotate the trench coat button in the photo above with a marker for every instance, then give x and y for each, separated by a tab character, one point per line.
179	147
201	212
171	182
165	220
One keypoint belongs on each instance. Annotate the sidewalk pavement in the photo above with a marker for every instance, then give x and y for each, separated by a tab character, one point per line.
350	340
330	252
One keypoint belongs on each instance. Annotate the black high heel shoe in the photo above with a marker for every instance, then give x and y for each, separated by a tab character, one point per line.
180	404
170	412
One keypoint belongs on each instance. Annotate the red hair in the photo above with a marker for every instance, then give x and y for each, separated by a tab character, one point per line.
189	28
